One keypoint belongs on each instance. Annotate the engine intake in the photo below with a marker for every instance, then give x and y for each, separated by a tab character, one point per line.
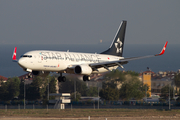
83	69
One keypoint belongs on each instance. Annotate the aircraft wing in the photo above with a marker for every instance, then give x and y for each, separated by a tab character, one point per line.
124	61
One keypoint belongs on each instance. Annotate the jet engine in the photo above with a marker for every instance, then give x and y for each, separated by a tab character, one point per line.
40	73
83	69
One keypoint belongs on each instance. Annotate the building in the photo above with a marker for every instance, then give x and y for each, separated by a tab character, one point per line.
145	77
3	79
158	84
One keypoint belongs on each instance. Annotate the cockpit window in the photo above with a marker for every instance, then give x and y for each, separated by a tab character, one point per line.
26	56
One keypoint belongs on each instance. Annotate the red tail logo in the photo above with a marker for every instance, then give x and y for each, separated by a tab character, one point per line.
14	54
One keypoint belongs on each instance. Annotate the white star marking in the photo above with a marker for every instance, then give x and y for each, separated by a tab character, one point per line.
118	46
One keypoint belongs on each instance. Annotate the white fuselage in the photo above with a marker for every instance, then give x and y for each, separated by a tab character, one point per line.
58	61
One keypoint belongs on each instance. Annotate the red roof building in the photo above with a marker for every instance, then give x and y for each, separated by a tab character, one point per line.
27	77
4	79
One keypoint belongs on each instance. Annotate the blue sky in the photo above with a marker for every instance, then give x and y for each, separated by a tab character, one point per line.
88	22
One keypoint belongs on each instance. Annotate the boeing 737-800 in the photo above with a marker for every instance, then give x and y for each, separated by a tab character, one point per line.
42	62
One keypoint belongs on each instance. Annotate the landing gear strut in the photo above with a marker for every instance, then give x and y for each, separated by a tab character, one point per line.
61	78
86	78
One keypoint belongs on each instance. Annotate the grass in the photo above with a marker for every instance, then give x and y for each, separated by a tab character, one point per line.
87	112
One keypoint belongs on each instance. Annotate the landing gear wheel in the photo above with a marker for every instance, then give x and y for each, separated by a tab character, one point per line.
61	78
86	78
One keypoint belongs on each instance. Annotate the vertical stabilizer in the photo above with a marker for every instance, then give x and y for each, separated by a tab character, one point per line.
117	45
14	54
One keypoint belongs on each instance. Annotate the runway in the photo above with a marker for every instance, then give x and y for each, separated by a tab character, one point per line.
94	118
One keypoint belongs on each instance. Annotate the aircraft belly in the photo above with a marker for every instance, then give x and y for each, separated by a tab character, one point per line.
101	70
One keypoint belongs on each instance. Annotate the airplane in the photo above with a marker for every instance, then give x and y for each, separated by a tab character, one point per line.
42	62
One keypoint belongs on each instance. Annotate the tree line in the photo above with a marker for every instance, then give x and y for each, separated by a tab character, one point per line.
123	85
15	88
116	85
131	87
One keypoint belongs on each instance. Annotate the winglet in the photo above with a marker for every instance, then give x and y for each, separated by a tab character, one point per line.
14	55
163	50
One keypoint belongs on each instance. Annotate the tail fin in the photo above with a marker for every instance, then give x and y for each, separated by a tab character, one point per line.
117	45
14	54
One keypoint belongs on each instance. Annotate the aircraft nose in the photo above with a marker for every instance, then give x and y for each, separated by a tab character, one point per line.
21	62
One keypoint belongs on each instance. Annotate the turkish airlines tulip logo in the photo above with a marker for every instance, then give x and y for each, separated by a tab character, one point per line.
118	46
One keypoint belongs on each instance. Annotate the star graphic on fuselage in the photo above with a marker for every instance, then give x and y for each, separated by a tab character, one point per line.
118	46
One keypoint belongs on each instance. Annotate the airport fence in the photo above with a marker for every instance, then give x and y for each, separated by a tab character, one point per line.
91	105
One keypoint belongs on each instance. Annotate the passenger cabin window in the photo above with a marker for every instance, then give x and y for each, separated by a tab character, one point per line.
29	56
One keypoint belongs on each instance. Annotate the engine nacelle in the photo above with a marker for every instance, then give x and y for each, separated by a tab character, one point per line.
40	73
83	69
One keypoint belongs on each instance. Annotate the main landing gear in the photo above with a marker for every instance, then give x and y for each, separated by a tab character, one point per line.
86	78
61	78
